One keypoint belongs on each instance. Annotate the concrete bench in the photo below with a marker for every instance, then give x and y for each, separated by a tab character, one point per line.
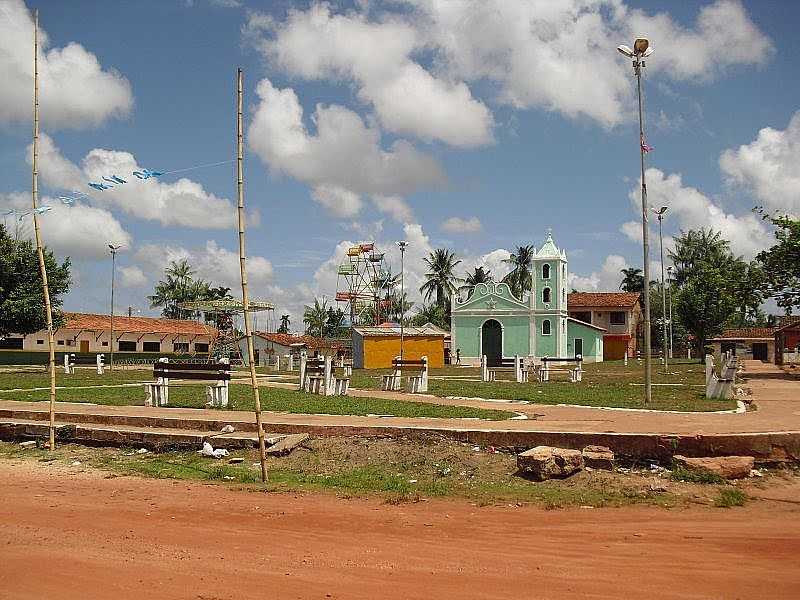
505	365
319	376
416	383
575	373
157	393
97	361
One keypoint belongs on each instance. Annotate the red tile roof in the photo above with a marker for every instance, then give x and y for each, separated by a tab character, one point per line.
602	300
747	333
287	339
137	324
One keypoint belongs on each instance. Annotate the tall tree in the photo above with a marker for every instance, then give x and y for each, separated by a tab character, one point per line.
440	280
334	322
285	323
704	302
315	317
519	280
179	285
632	280
695	246
478	275
431	313
21	296
781	263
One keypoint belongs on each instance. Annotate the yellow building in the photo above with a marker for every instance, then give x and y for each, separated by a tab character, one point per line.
375	347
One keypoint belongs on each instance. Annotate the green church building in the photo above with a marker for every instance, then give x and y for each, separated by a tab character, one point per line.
489	320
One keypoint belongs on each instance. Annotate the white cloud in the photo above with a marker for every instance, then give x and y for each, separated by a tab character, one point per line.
132	276
78	231
75	90
213	263
395	207
693	210
769	166
343	161
607	279
376	55
183	202
459	225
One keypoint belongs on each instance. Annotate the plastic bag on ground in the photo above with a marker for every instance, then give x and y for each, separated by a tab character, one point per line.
208	450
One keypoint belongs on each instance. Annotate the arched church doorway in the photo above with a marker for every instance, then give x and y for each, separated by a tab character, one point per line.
492	342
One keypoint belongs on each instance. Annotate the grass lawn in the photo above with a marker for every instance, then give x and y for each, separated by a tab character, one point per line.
193	396
608	384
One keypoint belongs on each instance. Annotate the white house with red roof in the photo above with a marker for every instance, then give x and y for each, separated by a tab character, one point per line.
618	313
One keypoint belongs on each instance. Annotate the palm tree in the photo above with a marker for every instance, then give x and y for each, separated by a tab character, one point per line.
520	277
285	323
478	275
632	281
315	317
179	285
334	321
697	245
440	279
431	313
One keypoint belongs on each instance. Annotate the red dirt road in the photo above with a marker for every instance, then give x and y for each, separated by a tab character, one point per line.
78	535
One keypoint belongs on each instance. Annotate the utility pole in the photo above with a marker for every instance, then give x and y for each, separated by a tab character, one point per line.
669	297
660	214
402	244
38	234
248	330
642	49
113	250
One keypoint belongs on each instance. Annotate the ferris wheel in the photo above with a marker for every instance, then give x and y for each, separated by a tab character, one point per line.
360	284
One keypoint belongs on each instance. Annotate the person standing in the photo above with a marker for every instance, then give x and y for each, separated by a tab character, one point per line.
458	356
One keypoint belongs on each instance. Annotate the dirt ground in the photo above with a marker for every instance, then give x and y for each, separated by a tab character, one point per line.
78	533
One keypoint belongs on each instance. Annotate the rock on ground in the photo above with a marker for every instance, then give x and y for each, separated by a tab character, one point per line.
729	467
598	457
546	462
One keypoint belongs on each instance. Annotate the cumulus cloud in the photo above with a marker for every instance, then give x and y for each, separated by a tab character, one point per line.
132	276
769	167
78	231
343	161
607	279
693	210
376	56
395	207
459	225
183	202
75	90
211	262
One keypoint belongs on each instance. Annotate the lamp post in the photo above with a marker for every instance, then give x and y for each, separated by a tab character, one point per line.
642	49
660	214
402	244
669	297
113	250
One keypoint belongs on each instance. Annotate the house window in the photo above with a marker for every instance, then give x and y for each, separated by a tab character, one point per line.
617	317
201	348
105	343
545	271
40	342
585	316
546	295
180	347
60	343
546	327
151	346
14	343
127	346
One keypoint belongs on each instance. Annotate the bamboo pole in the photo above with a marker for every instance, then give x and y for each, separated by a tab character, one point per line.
248	330
38	233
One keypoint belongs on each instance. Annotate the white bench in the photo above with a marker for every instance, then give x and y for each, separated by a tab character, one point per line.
157	392
70	360
416	383
318	376
506	365
575	373
720	387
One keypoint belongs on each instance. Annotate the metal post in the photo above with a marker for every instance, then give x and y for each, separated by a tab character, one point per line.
669	296
243	271
663	295
113	250
637	68
402	244
38	234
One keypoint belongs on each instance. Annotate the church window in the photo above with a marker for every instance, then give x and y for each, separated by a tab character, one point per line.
546	327
546	295
546	272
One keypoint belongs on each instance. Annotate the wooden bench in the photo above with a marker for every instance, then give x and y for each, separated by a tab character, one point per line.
319	376
506	365
157	393
416	383
70	361
575	373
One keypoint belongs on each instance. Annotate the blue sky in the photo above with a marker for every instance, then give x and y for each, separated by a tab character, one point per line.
472	126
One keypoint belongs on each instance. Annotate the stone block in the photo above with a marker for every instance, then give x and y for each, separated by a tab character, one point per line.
598	457
729	467
547	462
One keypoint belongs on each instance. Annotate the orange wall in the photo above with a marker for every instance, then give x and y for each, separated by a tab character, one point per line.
379	351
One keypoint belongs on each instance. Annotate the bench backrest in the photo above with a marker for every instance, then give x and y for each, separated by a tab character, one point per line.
575	359
216	371
408	364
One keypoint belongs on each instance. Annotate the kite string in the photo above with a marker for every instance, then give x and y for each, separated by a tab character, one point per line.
223	162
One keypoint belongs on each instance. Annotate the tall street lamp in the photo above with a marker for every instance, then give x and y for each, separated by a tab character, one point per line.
642	49
113	250
660	214
402	244
669	299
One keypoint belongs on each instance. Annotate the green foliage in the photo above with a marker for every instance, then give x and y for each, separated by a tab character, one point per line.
730	497
22	307
698	476
519	279
632	280
705	302
181	285
432	313
781	263
478	275
315	317
285	323
440	279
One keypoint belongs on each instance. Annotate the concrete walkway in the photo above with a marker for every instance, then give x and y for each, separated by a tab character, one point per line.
772	430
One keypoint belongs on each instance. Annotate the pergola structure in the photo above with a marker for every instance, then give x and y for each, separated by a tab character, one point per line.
225	344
